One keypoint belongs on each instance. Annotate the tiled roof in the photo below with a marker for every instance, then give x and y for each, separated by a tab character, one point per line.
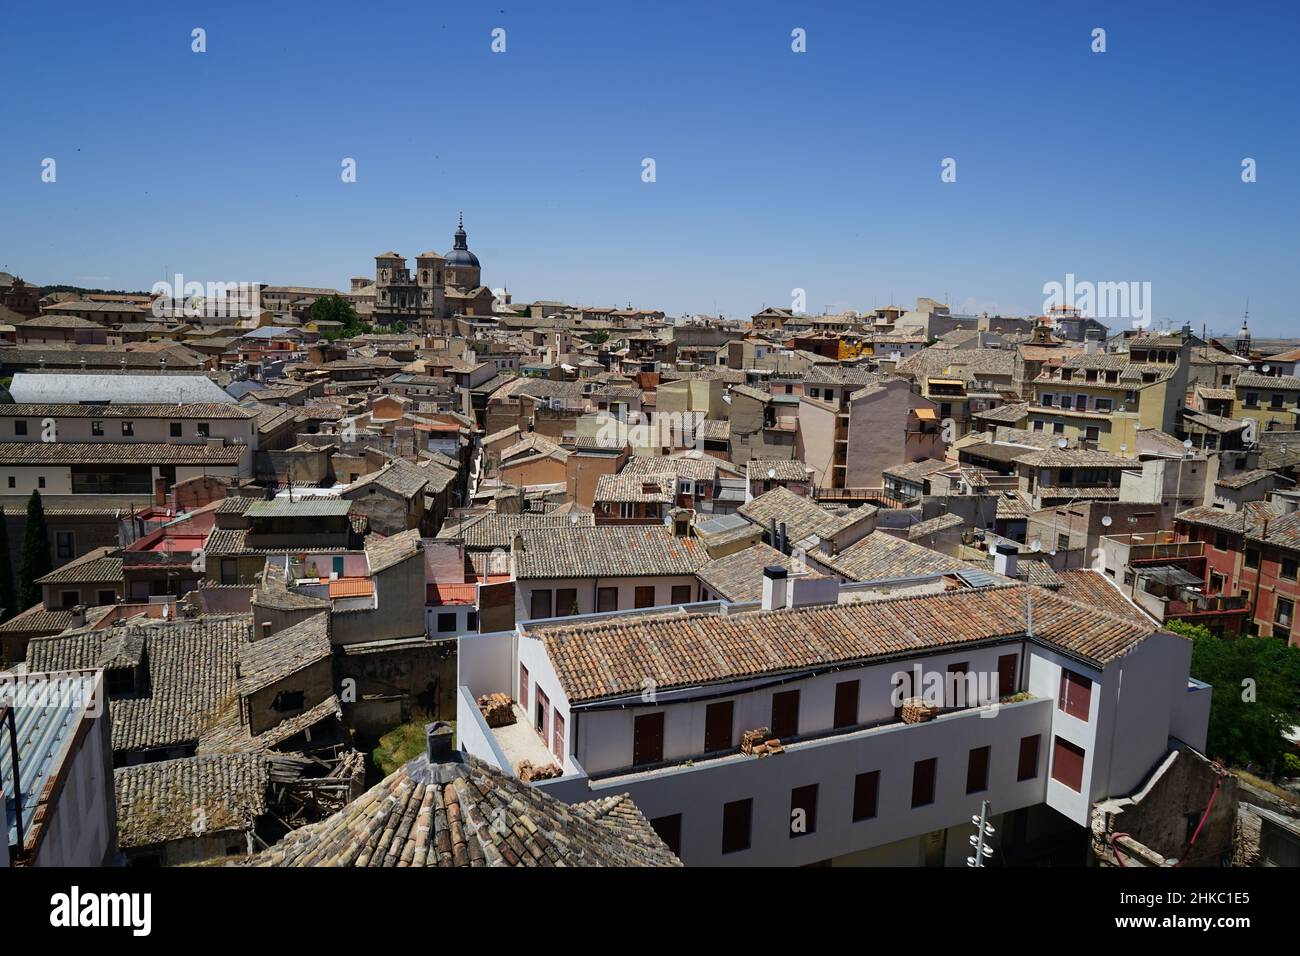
383	553
1094	590
802	516
269	659
37	619
398	476
612	658
738	577
607	551
465	813
191	674
489	531
93	567
777	469
694	466
206	410
935	525
915	470
1278	383
624	488
39	452
881	556
157	802
1076	458
1243	478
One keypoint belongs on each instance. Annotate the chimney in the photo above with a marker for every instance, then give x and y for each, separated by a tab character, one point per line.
785	540
438	748
78	616
517	544
772	539
1005	558
775	587
266	628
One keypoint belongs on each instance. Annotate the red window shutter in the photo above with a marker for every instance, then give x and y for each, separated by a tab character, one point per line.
543	715
523	689
1067	764
1076	694
559	737
1007	674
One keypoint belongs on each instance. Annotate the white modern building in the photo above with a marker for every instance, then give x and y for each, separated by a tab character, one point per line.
1043	707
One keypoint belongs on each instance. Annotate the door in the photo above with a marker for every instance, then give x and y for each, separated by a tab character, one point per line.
846	704
785	714
523	689
543	713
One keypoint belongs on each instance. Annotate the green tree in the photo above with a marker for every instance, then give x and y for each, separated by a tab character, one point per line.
1256	696
333	308
8	597
34	561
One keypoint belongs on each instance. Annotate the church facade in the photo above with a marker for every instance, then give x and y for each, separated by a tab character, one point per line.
439	289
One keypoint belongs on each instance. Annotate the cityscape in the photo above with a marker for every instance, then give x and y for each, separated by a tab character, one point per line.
785	553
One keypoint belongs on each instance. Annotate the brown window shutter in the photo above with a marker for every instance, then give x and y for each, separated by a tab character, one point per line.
718	726
1027	768
923	772
648	738
737	817
846	704
866	790
1067	764
785	714
523	689
1008	677
977	770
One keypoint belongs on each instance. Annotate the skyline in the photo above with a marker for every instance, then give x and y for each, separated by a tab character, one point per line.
775	170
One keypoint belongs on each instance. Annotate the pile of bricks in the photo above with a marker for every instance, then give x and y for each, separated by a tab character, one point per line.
756	743
497	709
915	711
528	771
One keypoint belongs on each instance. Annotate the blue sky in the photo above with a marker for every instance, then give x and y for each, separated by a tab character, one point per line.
775	170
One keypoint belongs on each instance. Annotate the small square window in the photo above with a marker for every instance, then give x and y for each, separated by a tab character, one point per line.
97	429
175	429
20	426
128	429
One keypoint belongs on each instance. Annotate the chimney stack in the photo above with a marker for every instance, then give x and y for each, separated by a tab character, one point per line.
1005	560
438	748
775	587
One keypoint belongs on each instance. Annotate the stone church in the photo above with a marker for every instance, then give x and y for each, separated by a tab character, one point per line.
439	289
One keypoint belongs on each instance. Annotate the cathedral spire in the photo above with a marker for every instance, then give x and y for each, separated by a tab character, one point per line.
461	238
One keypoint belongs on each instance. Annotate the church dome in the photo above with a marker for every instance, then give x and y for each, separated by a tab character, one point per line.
460	255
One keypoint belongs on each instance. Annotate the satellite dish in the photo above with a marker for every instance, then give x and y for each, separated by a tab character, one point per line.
1037	545
1062	443
1105	521
1187	443
771	473
1265	368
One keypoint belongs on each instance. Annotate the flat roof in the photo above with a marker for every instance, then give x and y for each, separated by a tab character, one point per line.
303	507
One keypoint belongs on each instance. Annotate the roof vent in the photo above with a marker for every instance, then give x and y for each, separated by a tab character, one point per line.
438	748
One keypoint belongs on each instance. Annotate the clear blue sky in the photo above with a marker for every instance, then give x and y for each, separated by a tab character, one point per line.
775	170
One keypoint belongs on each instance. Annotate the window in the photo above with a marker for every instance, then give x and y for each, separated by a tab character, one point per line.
204	430
737	817
40	481
670	831
1220	541
785	714
541	603
977	770
65	545
1285	611
523	688
104	598
229	571
1091	433
174	429
288	700
1252	557
1007	674
543	713
1058	428
471	620
69	598
1027	767
1288	569
1062	542
128	429
606	599
866	790
717	726
645	596
566	602
446	622
1076	694
923	781
558	741
957	686
20	426
1067	764
648	738
803	810
12	482
681	594
846	704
